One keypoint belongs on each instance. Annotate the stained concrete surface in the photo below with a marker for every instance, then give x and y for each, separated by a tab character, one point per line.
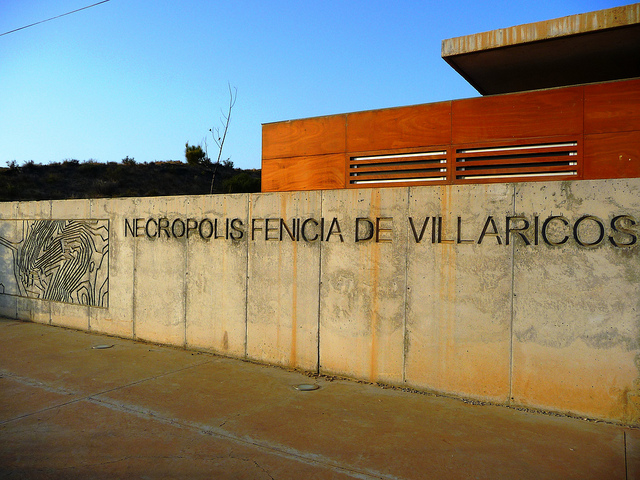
282	320
537	324
68	410
457	339
363	286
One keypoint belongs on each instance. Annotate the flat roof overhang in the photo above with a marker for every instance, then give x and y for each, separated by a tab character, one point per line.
590	47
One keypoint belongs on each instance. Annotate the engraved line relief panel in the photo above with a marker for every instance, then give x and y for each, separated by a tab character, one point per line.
58	260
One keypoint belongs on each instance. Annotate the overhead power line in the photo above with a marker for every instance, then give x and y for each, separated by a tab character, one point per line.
53	18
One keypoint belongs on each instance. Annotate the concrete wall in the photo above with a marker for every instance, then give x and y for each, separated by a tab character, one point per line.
523	294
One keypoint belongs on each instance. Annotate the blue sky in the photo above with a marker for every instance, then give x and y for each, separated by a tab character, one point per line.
139	78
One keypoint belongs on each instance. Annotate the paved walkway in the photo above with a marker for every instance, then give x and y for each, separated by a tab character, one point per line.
69	410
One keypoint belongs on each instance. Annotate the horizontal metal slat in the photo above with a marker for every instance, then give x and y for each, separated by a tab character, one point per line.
522	172
517	178
383	176
566	156
413	181
525	169
514	162
517	149
391	157
437	167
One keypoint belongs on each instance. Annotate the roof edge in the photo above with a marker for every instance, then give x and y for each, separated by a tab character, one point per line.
533	32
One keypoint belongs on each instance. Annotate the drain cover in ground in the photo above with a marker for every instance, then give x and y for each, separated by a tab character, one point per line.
305	387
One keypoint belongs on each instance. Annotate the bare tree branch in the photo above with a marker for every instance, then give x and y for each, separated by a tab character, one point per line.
215	132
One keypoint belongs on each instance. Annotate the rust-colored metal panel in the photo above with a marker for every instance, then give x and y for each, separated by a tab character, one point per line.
321	172
529	136
402	127
612	107
612	155
309	136
520	115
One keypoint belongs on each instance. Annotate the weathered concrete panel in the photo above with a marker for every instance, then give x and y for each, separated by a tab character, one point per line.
526	294
459	290
69	315
8	306
53	252
216	306
33	210
282	310
577	307
8	281
117	319
363	284
159	274
70	209
31	309
64	314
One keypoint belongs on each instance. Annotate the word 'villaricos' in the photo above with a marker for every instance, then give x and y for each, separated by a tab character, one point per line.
556	230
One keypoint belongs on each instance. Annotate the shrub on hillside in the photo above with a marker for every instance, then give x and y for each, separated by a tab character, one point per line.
241	183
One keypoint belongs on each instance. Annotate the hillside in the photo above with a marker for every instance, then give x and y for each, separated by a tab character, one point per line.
89	179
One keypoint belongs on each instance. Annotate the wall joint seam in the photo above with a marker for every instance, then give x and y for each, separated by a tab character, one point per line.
511	303
249	211
133	299
405	332
185	285
319	289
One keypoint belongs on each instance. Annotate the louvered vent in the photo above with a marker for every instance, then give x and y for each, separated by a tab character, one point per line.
417	167
517	162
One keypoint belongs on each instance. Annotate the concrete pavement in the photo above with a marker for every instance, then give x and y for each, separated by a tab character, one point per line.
135	410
